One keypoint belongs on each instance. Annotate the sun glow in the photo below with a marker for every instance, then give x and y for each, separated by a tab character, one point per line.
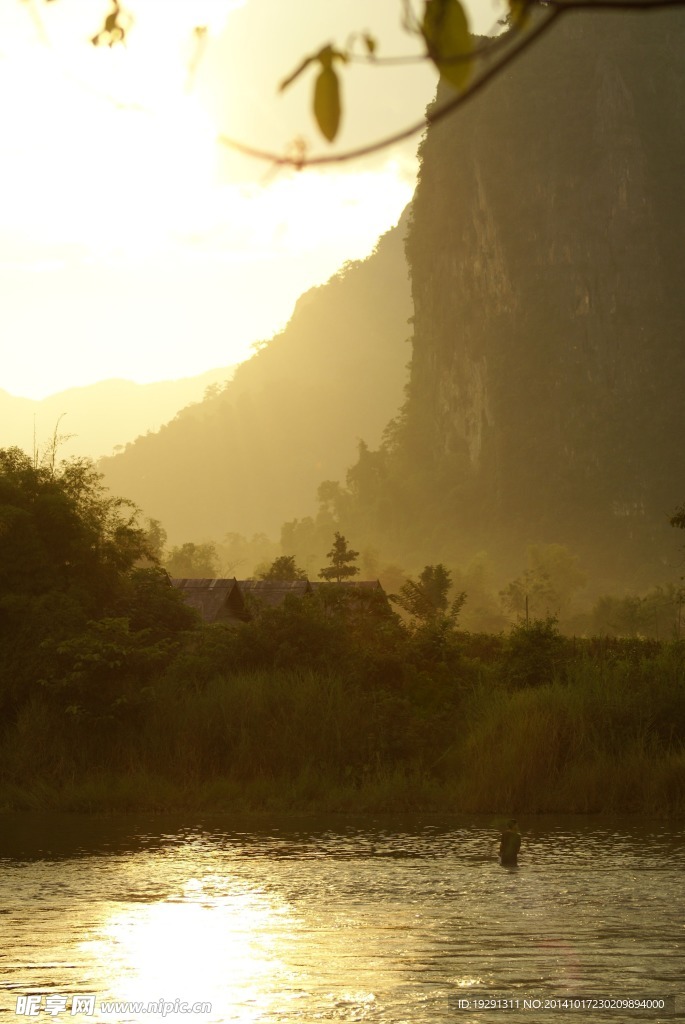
106	150
207	946
126	248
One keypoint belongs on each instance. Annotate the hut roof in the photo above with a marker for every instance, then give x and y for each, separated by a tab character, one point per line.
216	600
274	592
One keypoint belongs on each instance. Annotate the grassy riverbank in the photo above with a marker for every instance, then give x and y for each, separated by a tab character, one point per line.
591	729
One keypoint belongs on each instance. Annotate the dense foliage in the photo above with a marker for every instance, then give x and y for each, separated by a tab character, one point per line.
329	705
330	700
282	568
80	594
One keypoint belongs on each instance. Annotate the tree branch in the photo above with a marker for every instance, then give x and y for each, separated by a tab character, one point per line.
300	161
552	10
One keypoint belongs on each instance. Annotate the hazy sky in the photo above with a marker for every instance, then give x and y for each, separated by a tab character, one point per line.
132	244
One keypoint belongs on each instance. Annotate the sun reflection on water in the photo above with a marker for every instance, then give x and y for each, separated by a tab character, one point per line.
205	945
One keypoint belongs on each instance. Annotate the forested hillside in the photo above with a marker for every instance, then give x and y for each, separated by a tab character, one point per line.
94	419
252	454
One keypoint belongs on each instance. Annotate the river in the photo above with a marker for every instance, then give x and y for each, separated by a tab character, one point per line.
395	920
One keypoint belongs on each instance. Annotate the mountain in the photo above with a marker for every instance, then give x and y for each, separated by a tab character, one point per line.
96	418
545	402
253	454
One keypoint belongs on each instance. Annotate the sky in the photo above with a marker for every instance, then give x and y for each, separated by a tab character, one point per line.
133	242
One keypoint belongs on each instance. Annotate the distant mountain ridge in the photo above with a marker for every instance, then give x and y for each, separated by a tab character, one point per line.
252	455
99	417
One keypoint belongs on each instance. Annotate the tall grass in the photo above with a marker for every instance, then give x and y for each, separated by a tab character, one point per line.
597	734
607	737
255	740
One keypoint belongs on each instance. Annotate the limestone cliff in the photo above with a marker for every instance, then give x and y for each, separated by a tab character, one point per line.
547	258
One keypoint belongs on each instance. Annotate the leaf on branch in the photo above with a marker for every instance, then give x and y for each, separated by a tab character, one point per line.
327	107
114	28
327	55
445	29
296	73
370	44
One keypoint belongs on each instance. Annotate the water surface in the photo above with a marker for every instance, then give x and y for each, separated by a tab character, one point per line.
387	920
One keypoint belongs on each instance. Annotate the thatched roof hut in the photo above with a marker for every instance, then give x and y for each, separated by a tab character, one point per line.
216	600
274	592
228	600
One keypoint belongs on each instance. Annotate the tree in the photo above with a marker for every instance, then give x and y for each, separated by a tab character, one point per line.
341	558
60	530
536	653
656	614
70	561
528	592
427	599
548	584
193	561
237	552
283	568
619	616
678	518
483	613
156	538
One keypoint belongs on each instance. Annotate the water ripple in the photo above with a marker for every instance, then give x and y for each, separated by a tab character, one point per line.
377	921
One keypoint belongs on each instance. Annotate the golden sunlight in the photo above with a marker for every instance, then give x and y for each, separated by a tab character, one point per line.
214	946
127	249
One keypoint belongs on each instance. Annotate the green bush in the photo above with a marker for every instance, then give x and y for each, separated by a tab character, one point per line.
534	653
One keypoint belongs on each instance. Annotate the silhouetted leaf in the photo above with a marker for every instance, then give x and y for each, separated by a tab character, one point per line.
114	29
445	29
370	44
327	108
